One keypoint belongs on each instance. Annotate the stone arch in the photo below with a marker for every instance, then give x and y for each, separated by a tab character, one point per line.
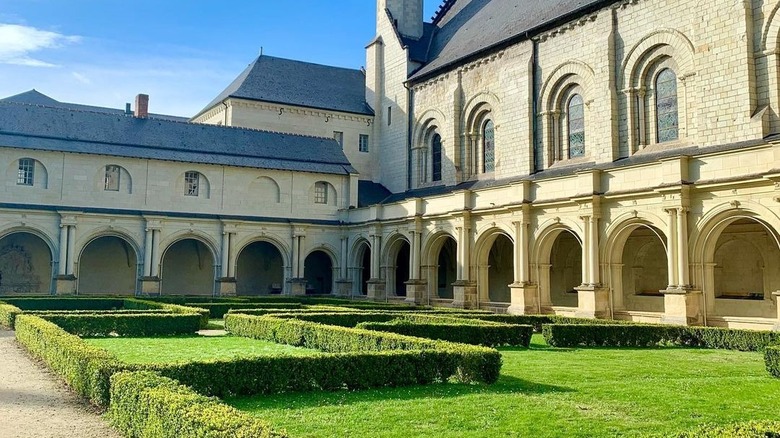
554	287
494	259
26	262
397	254
125	179
481	113
331	194
479	104
40	172
260	266
440	261
267	188
360	265
204	185
278	243
429	118
683	52
187	266
318	269
426	127
569	72
108	264
770	36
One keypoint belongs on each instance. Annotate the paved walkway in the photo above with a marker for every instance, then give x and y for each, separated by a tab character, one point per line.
35	403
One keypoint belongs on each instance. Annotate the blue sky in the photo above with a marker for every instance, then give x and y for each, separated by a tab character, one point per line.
180	52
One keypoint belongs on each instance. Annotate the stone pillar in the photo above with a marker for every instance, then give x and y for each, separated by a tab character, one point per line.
150	282
226	281
376	286
671	248
65	282
776	295
683	279
63	253
416	287
148	253
682	307
297	282
464	290
344	283
71	250
525	298
592	296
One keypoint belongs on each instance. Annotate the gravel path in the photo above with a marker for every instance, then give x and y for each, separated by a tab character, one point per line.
35	403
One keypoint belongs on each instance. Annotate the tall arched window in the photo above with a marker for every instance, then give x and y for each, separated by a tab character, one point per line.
436	157
576	119
667	127
488	147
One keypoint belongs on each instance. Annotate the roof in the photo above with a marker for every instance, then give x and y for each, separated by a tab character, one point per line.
36	127
466	28
418	49
285	81
371	193
35	97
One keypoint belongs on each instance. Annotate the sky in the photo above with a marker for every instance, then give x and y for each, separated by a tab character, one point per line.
182	53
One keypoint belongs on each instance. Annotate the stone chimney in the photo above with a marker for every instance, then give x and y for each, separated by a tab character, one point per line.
407	14
142	106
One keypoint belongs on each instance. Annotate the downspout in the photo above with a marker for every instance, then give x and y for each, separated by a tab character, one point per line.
226	113
410	121
535	103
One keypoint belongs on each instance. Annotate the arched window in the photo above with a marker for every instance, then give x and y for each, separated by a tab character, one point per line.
321	193
112	177
667	127
436	157
192	183
575	115
26	175
488	147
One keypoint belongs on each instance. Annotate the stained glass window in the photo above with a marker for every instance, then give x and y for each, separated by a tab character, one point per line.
666	106
436	155
576	119
489	147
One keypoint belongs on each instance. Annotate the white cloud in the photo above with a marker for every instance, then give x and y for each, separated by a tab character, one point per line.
18	43
81	78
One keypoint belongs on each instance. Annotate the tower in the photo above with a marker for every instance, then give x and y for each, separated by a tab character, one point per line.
406	14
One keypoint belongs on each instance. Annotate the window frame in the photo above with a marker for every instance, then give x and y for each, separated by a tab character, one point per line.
673	99
25	172
574	94
488	141
339	137
192	183
106	180
436	158
321	193
363	143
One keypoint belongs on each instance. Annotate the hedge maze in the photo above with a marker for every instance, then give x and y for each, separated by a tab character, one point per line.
362	345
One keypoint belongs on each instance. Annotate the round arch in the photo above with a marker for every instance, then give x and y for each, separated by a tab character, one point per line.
260	267
360	265
494	258
683	53
108	265
440	261
272	240
397	253
569	72
188	266
557	255
26	262
318	267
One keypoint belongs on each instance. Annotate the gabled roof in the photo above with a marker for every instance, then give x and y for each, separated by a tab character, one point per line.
35	97
285	81
38	127
466	28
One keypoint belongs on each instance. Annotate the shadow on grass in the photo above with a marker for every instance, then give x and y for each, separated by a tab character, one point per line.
505	385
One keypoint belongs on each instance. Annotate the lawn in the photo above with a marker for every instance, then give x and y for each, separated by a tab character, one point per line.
545	391
192	348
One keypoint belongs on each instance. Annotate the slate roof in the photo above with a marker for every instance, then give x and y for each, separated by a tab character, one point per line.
35	97
371	193
285	81
469	27
38	127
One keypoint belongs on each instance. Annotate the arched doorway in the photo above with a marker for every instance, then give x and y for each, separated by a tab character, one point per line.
108	266
565	269
188	269
446	269
259	270
25	265
500	269
398	258
745	269
362	268
318	272
644	271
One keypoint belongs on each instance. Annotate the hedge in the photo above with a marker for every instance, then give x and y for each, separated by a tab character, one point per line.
84	367
474	364
8	315
145	404
133	324
644	335
59	303
475	334
132	303
218	310
748	429
772	359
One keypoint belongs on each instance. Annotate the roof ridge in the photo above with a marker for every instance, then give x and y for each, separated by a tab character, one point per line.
442	11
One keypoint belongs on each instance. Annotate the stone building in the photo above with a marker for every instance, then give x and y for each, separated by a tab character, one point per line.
613	159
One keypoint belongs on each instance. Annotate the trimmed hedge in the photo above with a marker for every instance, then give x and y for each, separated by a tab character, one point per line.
59	303
645	335
8	315
341	319
84	367
474	364
133	324
748	429
137	304
772	359
145	404
475	334
218	310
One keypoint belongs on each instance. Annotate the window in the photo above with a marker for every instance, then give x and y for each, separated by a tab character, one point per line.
191	183
339	137
26	175
667	127
389	115
321	193
576	120
363	146
488	147
111	181
436	156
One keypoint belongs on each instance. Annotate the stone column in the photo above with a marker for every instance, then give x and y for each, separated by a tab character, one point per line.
416	287
63	253
65	282
376	286
592	296
297	282
682	304
683	279
226	281
71	250
464	290
671	257
344	283
776	295
150	282
148	253
525	299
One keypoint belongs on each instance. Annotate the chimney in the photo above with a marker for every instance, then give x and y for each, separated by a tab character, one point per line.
142	106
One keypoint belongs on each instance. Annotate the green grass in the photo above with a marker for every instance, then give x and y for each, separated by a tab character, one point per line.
191	348
545	391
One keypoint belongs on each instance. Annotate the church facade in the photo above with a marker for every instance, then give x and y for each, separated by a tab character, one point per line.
604	159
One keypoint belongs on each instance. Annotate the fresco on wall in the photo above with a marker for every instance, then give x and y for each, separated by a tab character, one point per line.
16	271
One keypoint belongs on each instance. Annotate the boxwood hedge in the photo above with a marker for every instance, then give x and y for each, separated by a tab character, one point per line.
126	324
748	429
489	335
8	315
474	364
218	310
772	359
145	404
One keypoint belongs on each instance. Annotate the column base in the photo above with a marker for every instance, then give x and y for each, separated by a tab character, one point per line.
464	295
416	291
65	285
343	288
592	301
376	289
524	299
682	306
297	286
150	285
226	286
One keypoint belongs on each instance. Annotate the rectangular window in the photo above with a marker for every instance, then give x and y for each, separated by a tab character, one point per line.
363	146
320	193
339	137
389	115
26	174
111	182
191	183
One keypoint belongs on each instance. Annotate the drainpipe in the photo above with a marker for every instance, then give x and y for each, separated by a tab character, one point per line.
410	121
534	103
